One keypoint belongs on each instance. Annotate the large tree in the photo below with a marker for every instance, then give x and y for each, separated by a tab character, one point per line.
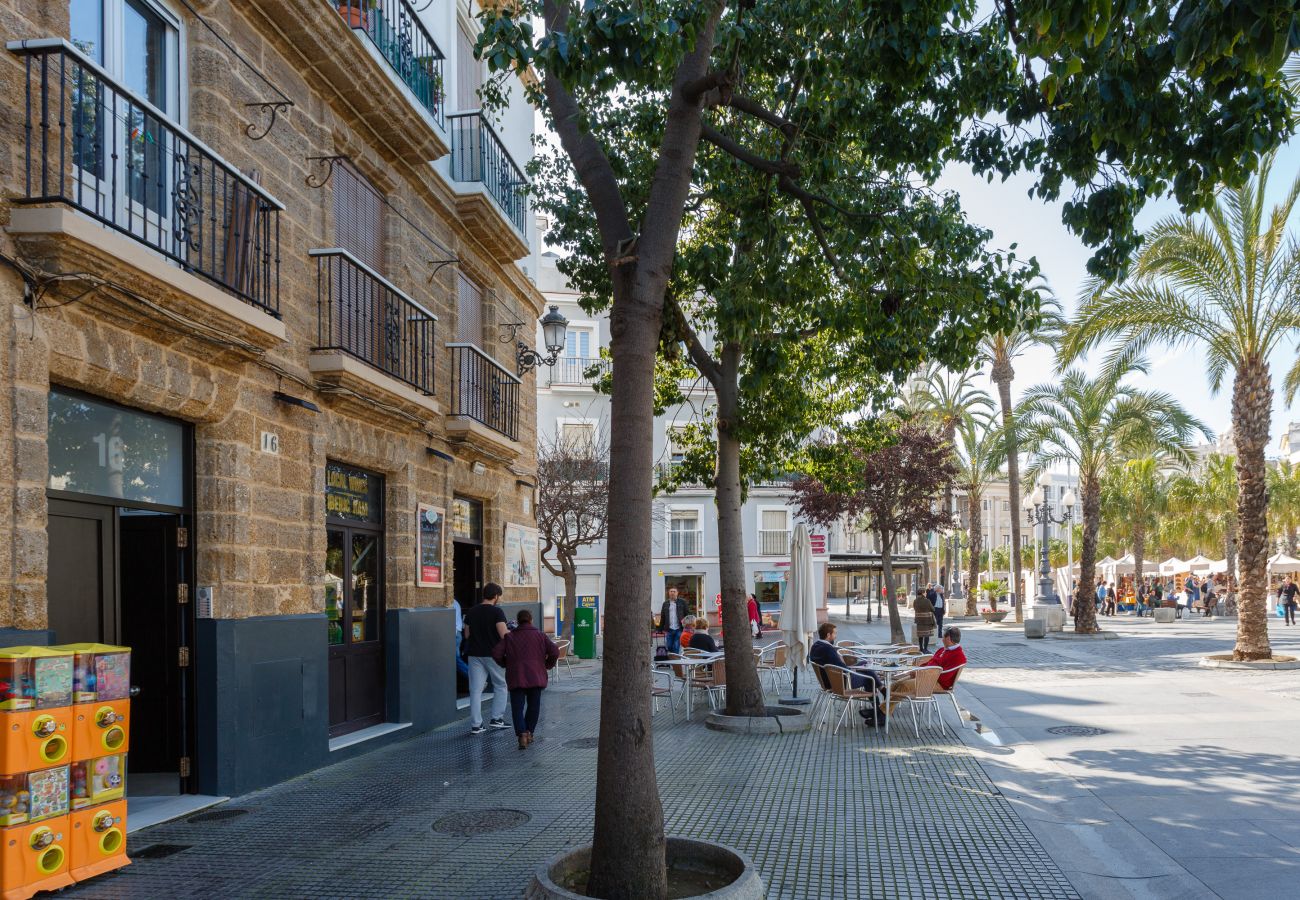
1134	499
572	506
1284	503
894	489
1000	349
1031	87
1094	423
1203	509
1225	287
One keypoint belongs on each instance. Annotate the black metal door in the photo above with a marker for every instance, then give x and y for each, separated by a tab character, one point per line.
355	607
82	584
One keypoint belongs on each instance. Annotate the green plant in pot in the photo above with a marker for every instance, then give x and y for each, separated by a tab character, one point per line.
993	590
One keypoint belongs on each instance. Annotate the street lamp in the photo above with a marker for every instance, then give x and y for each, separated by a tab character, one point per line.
1038	510
554	328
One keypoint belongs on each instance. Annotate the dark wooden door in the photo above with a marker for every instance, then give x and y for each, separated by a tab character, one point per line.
150	576
355	608
82	582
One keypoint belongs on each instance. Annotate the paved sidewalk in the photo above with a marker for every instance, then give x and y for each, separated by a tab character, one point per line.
1142	774
845	816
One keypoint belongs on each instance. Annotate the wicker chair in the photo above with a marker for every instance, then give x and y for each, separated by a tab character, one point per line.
921	693
840	680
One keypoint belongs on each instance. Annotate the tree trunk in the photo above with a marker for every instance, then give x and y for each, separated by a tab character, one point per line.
744	690
948	577
1252	402
1290	542
1002	375
1085	595
628	850
976	541
1139	550
896	633
570	600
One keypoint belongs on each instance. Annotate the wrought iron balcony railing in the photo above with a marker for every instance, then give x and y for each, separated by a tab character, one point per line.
403	41
96	146
574	370
484	390
362	314
773	543
685	542
477	154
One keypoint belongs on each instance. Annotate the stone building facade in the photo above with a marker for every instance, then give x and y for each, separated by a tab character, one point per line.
236	364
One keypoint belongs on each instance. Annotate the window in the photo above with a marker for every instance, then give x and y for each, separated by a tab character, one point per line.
469	312
684	532
676	443
577	435
577	343
773	532
138	43
1006	540
984	505
469	71
358	216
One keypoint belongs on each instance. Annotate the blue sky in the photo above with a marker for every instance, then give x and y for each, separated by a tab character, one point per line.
1036	228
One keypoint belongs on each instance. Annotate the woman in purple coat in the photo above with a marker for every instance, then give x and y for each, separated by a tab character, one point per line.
526	654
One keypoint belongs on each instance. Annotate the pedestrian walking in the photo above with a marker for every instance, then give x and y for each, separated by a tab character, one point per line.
1288	596
923	621
485	626
755	618
526	654
939	604
1208	600
1112	601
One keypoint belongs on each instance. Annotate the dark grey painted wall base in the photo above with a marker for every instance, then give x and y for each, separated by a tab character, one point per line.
21	637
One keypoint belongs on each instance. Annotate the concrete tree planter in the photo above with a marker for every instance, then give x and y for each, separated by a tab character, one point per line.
779	720
1225	661
994	617
725	874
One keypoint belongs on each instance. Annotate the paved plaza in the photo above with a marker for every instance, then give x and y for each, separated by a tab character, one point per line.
1189	792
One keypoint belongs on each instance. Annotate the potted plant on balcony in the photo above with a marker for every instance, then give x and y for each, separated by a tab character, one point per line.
356	12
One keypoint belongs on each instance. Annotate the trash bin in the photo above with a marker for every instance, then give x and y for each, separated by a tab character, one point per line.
584	633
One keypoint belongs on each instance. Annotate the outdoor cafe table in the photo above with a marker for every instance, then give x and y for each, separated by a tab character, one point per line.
690	663
890	671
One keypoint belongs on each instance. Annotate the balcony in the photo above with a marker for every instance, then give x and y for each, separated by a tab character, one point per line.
362	318
479	157
670	471
577	370
484	400
685	542
395	30
94	147
773	543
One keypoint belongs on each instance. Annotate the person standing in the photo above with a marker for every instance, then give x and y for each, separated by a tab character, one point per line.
1112	600
939	604
462	667
1288	596
671	617
526	654
755	618
1100	602
1208	600
485	626
923	621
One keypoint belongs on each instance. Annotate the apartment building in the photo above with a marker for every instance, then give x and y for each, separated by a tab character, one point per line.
261	425
685	548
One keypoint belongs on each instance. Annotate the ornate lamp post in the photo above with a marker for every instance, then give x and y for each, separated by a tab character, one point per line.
1038	511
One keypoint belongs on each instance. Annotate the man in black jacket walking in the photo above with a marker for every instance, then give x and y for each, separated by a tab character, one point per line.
671	617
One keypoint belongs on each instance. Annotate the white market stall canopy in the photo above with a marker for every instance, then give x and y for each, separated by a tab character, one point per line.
1203	565
1282	564
1173	566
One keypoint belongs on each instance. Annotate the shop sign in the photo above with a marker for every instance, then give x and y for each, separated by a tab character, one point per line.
818	542
768	577
431	523
521	556
351	494
582	601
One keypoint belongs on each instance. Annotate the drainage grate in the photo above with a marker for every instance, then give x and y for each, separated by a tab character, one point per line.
480	821
159	851
1077	730
217	815
584	743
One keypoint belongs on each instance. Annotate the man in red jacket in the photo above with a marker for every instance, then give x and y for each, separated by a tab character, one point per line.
950	657
526	654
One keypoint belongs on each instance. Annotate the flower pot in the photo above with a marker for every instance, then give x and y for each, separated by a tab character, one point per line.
353	14
712	870
992	617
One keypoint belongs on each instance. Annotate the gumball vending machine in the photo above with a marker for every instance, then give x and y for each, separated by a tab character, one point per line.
101	686
34	840
98	819
35	708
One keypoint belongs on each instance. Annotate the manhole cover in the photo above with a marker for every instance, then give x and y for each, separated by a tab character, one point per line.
1077	730
584	743
480	821
159	851
217	815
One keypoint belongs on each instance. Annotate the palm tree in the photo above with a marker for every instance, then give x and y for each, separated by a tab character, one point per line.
979	455
1224	285
1202	509
1284	503
1135	497
1094	423
947	399
999	350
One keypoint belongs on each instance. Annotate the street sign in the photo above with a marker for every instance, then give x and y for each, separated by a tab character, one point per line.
818	544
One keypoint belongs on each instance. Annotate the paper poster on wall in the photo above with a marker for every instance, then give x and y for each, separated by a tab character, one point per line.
521	556
432	523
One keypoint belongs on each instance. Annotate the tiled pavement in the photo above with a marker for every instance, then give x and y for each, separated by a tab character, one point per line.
846	816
